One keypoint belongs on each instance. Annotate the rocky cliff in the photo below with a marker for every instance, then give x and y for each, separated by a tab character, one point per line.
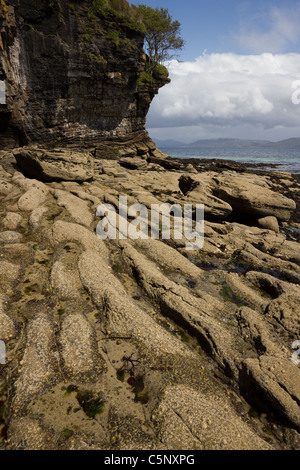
132	343
73	72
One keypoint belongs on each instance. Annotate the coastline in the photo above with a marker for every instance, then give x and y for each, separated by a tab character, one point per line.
284	159
208	332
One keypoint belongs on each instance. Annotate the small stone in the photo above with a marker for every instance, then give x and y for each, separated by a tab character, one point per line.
32	199
269	223
10	236
191	169
12	221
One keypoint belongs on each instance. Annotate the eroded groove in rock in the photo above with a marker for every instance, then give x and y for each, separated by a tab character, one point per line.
81	359
273	382
190	420
39	367
122	315
192	313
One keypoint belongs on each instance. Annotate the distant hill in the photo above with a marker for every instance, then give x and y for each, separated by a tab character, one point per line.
169	143
228	143
231	143
287	143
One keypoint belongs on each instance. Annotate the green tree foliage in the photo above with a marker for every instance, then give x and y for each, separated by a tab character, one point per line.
118	12
162	35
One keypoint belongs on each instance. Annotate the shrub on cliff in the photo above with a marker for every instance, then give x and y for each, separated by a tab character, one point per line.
159	72
119	11
162	35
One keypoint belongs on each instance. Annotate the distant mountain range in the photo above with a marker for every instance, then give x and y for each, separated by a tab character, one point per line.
231	143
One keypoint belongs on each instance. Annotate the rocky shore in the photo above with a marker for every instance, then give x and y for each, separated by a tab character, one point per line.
124	344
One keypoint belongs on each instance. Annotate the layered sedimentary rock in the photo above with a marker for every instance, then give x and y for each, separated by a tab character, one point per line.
142	344
127	344
73	72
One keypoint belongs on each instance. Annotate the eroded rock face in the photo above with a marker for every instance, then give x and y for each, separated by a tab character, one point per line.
132	344
142	344
197	192
72	73
56	165
245	196
252	197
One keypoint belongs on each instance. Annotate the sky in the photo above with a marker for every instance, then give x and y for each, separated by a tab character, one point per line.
238	75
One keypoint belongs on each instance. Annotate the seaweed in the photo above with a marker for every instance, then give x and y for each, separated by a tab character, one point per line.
229	296
92	406
70	388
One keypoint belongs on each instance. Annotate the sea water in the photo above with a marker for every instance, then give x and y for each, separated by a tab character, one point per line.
285	159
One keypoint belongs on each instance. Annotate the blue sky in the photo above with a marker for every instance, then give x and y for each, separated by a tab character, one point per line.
236	74
218	25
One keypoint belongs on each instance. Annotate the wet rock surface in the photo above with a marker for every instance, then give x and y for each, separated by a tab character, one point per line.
142	344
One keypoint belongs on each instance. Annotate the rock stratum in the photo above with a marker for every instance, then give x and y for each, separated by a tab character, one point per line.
123	344
73	72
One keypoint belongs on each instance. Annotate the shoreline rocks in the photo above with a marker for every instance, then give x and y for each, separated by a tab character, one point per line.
132	334
270	223
253	197
55	165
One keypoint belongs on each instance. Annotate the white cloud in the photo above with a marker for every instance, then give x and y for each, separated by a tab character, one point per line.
283	31
229	90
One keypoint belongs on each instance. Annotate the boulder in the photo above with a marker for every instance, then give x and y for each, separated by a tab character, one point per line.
247	197
81	359
12	221
5	188
191	169
55	165
134	163
273	383
269	223
77	208
32	199
286	311
39	365
10	236
7	327
197	192
158	154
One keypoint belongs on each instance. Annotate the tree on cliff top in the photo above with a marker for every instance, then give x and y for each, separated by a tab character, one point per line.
162	35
